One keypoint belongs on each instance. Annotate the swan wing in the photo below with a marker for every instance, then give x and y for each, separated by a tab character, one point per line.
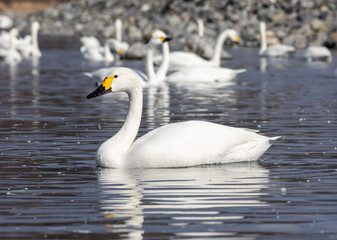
279	50
194	143
93	54
179	59
204	74
317	52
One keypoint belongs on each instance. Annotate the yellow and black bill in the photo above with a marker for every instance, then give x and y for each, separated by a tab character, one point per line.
98	92
104	88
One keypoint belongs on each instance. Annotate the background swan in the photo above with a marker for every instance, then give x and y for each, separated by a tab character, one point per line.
29	46
11	55
119	31
89	41
5	22
317	53
180	59
158	37
204	74
99	53
276	50
175	145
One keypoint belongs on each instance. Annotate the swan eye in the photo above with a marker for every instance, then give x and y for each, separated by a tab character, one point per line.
116	76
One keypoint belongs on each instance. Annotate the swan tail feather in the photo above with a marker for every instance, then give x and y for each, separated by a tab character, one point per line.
274	138
87	74
240	70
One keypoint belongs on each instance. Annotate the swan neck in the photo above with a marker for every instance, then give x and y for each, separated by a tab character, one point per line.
118	25
164	66
149	65
263	46
127	134
216	59
107	53
12	40
200	27
34	32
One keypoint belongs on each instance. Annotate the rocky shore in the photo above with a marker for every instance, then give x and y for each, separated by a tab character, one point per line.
295	22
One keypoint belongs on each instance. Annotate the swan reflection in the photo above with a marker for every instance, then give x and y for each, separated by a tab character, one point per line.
178	196
157	105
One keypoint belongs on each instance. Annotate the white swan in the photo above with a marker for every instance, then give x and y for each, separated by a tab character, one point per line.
89	41
180	59
11	55
99	54
158	37
175	145
29	46
317	53
276	50
119	30
5	22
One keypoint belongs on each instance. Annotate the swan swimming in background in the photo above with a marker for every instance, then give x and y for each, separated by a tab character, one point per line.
119	30
180	59
11	55
276	50
99	53
158	37
181	144
317	53
5	22
29	46
89	41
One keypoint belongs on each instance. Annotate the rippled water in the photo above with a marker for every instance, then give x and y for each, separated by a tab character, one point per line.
49	133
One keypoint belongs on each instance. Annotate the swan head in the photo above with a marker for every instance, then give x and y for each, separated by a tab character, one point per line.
14	32
232	35
158	37
118	46
119	80
36	25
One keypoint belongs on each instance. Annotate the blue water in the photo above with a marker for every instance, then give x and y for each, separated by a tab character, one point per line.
49	133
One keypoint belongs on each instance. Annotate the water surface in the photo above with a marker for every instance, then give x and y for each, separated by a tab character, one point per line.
49	133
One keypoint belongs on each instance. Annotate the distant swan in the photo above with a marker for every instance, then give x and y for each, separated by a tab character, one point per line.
317	53
152	78
119	31
175	145
11	55
276	50
95	53
29	46
180	59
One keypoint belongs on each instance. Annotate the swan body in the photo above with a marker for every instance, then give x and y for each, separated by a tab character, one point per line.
276	50
175	145
11	55
29	46
317	53
180	59
204	74
89	42
5	22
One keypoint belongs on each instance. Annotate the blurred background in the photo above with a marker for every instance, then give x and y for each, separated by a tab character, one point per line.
293	22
